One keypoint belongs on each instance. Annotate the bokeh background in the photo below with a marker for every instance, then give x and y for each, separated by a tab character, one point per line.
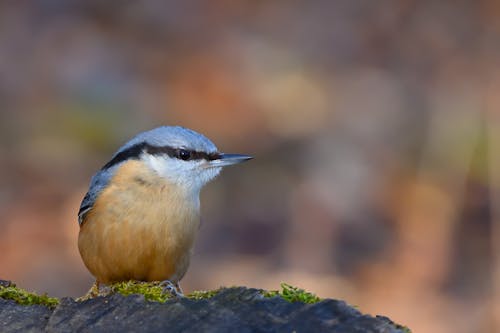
374	126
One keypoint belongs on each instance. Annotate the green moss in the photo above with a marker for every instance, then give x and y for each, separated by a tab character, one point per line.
292	294
24	297
152	291
203	294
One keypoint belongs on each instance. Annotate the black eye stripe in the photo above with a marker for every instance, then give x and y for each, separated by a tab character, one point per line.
135	151
200	155
174	152
130	153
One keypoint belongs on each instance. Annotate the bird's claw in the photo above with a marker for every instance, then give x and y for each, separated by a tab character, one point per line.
172	288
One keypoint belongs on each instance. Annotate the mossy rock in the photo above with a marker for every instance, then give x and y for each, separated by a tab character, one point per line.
8	290
225	309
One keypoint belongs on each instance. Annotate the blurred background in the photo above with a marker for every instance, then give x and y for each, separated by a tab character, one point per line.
375	127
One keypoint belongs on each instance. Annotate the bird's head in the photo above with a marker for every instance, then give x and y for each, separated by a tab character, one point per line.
177	154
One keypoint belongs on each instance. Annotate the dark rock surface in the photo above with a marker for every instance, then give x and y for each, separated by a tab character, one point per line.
232	310
20	318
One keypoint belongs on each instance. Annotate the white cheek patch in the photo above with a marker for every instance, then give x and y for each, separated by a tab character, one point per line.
190	174
169	168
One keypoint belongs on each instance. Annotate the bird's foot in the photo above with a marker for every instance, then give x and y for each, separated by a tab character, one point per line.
171	288
96	290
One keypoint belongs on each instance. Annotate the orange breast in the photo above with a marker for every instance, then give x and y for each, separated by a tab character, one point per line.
141	227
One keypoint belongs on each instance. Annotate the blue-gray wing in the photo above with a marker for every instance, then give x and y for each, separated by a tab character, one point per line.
98	182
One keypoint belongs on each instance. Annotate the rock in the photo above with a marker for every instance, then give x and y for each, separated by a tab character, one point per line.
236	309
4	283
20	318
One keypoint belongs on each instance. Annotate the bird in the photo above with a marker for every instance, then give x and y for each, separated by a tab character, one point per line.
141	214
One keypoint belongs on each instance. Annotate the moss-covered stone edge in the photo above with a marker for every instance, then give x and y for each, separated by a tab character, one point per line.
11	292
292	294
153	291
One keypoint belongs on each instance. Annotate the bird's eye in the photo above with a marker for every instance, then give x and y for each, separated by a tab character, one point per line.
184	154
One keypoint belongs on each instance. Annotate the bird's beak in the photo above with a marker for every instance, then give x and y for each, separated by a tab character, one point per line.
229	159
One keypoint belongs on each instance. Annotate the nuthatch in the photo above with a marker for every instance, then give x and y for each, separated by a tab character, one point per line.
141	214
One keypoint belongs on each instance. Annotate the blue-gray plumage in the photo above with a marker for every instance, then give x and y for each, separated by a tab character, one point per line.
139	217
